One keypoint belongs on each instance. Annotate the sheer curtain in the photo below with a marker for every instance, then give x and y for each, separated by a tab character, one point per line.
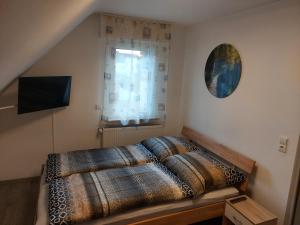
136	72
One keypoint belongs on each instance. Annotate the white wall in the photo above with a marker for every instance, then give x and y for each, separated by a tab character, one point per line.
25	140
266	103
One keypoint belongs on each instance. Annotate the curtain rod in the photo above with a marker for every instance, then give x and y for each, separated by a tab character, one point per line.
136	17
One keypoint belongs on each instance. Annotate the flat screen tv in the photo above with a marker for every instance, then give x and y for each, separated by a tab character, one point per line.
40	93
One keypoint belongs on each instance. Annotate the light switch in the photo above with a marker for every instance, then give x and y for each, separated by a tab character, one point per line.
283	141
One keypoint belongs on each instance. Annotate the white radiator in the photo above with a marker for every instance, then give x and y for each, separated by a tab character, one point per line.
128	135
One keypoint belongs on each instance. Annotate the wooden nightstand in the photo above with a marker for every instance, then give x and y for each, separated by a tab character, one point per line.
242	210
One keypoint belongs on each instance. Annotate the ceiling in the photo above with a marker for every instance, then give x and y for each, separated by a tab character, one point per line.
185	12
30	28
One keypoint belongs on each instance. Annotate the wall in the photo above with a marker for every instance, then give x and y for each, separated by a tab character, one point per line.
26	139
266	103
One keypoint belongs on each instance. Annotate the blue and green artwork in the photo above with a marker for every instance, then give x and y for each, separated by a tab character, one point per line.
223	70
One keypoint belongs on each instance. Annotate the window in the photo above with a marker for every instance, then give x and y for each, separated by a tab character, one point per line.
133	86
136	71
135	83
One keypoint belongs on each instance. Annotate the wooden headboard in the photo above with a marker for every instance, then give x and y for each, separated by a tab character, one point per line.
244	163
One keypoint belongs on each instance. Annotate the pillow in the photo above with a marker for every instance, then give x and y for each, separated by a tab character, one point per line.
165	146
82	161
202	171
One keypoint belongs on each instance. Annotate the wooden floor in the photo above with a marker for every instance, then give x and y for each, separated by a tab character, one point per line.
18	201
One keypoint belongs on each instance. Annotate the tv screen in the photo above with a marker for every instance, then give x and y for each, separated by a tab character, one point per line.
40	93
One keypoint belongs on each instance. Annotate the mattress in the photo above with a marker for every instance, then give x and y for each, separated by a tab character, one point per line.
141	213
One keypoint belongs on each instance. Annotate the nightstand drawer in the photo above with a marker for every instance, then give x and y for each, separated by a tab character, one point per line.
236	217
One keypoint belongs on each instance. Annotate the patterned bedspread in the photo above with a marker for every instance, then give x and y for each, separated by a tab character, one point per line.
85	196
202	171
65	164
165	146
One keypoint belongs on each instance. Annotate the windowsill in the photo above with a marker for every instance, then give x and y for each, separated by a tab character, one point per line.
136	127
132	124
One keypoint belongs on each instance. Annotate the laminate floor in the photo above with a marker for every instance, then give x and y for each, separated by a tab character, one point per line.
18	201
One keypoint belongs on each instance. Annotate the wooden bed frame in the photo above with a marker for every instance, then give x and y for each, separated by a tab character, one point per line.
211	210
208	211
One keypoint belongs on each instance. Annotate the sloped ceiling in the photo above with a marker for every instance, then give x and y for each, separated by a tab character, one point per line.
28	29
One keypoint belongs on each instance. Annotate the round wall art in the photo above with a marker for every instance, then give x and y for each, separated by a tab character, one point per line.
223	70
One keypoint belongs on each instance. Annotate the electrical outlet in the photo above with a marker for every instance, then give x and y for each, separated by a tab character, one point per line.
283	141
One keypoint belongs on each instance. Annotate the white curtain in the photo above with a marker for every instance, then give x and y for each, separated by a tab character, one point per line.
135	80
136	71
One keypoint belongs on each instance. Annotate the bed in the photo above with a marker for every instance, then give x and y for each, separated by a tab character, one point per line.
185	211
